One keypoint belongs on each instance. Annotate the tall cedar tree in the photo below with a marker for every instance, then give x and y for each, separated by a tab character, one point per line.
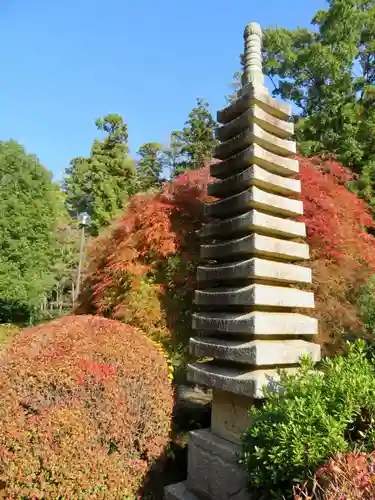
30	205
195	142
149	166
101	183
329	74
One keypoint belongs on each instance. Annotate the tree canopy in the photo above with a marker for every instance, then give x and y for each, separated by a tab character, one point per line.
100	183
328	73
192	146
149	166
30	205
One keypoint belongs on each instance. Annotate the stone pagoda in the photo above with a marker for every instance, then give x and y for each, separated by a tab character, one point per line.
250	280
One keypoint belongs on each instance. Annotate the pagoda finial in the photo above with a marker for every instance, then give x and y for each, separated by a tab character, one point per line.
253	72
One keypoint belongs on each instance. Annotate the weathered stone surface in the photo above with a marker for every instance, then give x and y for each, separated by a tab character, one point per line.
255	244
255	155
255	323
254	134
213	472
254	176
255	268
178	491
259	116
239	380
254	295
250	96
254	198
255	352
229	415
254	221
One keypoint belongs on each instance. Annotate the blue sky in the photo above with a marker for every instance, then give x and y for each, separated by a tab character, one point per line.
66	63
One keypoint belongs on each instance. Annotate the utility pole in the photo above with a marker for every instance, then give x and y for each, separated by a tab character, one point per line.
84	221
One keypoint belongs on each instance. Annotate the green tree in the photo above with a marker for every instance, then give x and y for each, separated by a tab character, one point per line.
101	183
329	74
194	144
30	206
149	166
64	266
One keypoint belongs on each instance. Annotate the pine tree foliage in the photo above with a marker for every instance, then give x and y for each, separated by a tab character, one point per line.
100	183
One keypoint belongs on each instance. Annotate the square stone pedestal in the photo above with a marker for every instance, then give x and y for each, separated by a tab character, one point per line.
213	473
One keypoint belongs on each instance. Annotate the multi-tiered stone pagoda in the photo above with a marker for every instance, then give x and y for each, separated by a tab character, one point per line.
250	279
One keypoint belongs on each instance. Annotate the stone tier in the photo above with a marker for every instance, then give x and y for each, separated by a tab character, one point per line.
254	198
255	245
252	96
253	221
255	323
255	155
254	135
240	379
255	114
254	352
255	268
254	176
254	295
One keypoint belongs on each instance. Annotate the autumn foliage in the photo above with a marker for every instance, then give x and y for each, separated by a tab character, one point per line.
85	410
346	475
342	249
143	270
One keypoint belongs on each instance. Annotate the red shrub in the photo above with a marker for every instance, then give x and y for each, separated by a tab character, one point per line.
143	271
85	410
346	476
342	251
127	275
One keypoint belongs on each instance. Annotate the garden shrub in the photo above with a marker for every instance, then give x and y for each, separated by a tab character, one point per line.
345	476
142	271
320	413
85	410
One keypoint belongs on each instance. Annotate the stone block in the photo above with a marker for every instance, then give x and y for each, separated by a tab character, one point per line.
255	245
254	176
213	472
255	323
239	380
230	415
254	198
178	491
254	268
251	95
254	221
255	114
254	295
255	155
255	352
254	134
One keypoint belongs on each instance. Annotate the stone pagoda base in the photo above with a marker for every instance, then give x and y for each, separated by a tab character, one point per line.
213	472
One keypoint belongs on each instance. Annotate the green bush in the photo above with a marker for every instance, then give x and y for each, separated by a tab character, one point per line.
321	412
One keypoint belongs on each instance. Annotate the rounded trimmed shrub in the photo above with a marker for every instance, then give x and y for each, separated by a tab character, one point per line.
85	410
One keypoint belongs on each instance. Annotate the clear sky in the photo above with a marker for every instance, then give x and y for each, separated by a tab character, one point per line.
65	63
